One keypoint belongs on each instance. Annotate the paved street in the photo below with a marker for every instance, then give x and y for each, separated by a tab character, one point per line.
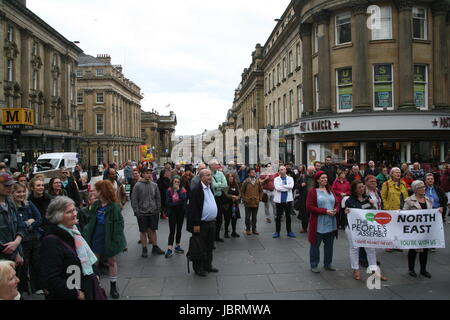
262	268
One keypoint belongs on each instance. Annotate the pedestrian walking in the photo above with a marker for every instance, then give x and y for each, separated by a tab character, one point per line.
322	206
105	230
176	210
146	204
283	201
251	194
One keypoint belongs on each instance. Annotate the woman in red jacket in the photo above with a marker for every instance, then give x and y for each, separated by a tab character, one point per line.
322	205
341	188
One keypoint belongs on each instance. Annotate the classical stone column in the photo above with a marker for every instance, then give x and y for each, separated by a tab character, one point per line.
307	74
25	73
440	55
64	92
406	67
322	18
360	56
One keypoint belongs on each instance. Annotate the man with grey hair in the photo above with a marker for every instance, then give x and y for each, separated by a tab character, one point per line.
219	183
355	174
201	219
371	170
196	180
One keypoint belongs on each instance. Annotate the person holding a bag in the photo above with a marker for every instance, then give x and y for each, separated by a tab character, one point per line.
231	205
105	230
176	208
64	254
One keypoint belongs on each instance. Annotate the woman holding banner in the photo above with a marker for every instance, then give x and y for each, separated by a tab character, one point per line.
418	201
322	205
359	200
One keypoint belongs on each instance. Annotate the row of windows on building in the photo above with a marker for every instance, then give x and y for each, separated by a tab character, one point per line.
99	97
98	73
281	111
283	69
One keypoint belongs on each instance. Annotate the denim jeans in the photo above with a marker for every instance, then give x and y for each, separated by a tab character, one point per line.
314	251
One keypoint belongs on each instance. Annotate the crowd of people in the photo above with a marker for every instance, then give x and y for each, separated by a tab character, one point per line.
48	228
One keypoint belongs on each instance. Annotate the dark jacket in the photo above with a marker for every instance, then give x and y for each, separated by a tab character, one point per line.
368	171
331	172
29	211
182	198
353	203
55	261
195	208
163	184
115	238
41	204
11	226
73	192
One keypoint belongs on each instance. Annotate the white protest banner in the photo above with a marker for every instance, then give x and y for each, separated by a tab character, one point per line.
413	229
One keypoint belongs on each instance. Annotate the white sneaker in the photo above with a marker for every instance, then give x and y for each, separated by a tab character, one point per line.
39	292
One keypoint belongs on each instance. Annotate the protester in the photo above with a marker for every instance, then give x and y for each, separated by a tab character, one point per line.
355	174
8	281
445	184
22	179
118	187
330	170
128	172
69	185
105	230
341	189
196	180
219	184
186	181
283	200
322	206
418	201
266	179
317	166
382	177
251	194
201	220
176	210
418	172
55	188
394	193
231	168
304	184
163	185
435	194
371	170
146	204
84	213
404	167
62	249
29	273
136	178
178	171
231	205
12	227
408	180
40	199
82	180
242	173
360	200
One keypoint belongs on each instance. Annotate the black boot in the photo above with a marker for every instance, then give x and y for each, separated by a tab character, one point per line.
226	235
113	293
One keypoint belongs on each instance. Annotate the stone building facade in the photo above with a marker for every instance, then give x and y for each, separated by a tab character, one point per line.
109	112
157	133
37	71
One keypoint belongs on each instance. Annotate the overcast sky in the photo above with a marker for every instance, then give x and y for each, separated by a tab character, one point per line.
186	53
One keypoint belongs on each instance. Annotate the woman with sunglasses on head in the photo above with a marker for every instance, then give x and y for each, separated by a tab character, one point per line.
176	208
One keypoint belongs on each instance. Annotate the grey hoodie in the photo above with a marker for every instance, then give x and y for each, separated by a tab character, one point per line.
146	199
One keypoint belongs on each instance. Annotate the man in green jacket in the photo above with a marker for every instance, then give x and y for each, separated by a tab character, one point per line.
219	183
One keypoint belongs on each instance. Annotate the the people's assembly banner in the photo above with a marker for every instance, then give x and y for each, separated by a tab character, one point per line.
413	229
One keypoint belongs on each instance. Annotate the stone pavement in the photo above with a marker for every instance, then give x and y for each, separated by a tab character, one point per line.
262	268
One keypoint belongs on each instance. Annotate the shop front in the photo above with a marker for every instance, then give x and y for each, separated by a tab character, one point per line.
391	138
287	144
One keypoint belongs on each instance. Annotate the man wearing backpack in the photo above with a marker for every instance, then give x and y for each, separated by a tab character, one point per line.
251	193
201	220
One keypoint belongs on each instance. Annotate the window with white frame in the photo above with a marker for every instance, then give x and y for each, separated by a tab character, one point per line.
344	85
100	97
79	73
99	124
100	72
81	122
99	155
80	97
316	90
10	33
10	69
381	23
343	28
291	62
315	38
300	100
383	86
419	23
421	86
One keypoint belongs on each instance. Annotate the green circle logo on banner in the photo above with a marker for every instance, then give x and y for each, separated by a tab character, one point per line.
370	217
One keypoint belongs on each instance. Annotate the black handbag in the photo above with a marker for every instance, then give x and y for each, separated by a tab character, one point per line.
196	251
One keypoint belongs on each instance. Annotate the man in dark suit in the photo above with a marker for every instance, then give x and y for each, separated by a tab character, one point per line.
201	219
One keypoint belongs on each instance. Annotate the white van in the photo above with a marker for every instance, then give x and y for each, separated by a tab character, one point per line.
49	164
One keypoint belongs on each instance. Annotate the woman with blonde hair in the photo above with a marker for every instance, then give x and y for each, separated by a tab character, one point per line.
8	281
105	229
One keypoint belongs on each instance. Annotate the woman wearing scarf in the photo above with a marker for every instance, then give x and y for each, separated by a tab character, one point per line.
64	254
105	229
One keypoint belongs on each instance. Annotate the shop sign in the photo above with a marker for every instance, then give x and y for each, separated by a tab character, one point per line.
17	119
445	122
319	125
